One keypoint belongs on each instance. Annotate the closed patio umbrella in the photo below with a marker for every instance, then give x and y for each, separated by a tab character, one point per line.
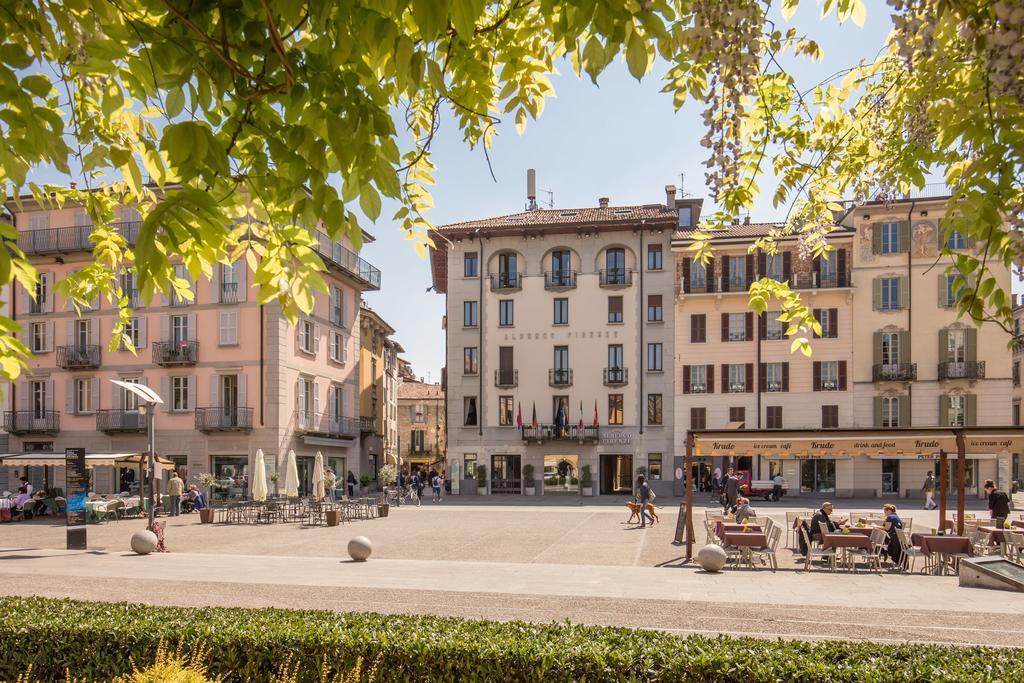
291	476
259	478
318	477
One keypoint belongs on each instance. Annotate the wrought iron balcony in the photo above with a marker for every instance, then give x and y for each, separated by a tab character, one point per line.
734	283
31	422
70	239
560	377
229	292
341	258
550	432
615	277
894	372
962	370
120	421
326	425
506	378
698	285
367	424
229	419
560	279
616	377
78	357
504	282
833	280
182	352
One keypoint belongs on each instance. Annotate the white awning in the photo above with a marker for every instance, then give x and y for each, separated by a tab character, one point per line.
41	459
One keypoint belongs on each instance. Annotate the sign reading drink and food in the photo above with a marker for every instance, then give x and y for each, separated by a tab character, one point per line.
909	443
76	489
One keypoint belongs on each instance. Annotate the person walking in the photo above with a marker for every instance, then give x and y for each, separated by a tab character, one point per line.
732	490
175	487
643	491
351	481
777	483
435	484
998	503
929	491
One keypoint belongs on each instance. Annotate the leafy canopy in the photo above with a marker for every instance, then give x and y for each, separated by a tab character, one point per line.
244	114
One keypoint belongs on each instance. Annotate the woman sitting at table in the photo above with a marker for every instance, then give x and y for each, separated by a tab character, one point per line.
891	523
743	510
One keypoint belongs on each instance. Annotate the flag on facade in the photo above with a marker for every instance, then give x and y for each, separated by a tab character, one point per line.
519	416
596	423
533	423
581	415
561	418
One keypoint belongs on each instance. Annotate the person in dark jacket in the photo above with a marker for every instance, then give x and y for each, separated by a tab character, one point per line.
732	490
998	503
824	515
643	490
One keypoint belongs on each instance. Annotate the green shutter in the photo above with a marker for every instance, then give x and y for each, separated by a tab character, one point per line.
904	244
876	238
943	291
904	342
878	411
878	348
876	294
943	411
904	292
943	346
971	340
905	411
972	410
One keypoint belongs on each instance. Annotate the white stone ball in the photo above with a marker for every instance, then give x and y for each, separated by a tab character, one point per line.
711	558
144	542
359	548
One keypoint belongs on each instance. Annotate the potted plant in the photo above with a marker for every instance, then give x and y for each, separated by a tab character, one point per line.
481	480
387	476
209	482
529	487
586	483
274	478
364	483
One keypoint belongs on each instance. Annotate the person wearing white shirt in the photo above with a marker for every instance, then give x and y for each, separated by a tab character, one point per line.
777	483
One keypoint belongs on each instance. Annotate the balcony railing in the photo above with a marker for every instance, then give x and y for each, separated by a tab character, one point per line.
229	419
616	377
550	432
78	357
560	279
833	280
367	424
894	372
703	285
32	422
176	352
35	307
962	370
120	421
506	378
326	424
734	284
506	281
70	239
616	277
560	377
341	258
134	298
229	292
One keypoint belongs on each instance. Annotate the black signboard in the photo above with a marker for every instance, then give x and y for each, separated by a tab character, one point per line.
76	488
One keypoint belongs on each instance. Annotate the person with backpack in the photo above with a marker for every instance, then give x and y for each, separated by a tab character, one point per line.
436	483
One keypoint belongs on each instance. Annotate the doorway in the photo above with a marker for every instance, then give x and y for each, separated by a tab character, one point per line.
890	476
818	476
561	474
616	474
506	474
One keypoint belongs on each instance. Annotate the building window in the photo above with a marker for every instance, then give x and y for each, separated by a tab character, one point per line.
654	357
506	313
698	328
890	411
227	328
41	303
470	265
890	238
1015	373
698	418
890	348
956	240
615	357
654	409
337	304
1015	414
179	329
469	314
698	276
469	411
418	440
956	346
654	310
505	411
829	375
654	466
737	326
615	265
561	316
774	329
737	266
737	416
951	293
773	377
180	393
307	336
958	411
654	257
698	379
615	404
132	328
774	417
83	396
615	309
470	360
338	347
737	378
829	417
773	267
828	318
685	214
38	337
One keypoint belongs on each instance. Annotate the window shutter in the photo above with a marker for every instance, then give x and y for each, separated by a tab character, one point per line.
49	336
943	291
904	292
943	346
193	330
686	379
972	410
762	265
841	267
748	333
833	323
117	398
49	395
787	266
710	370
749	269
94	332
222	328
243	389
943	411
816	269
143	322
878	348
191	392
165	393
241	269
971	341
50	294
816	381
215	400
300	395
785	376
763	378
24	300
876	294
710	269
904	236
749	384
904	409
24	396
344	348
816	312
94	394
316	398
842	375
878	411
762	325
70	332
165	328
215	282
316	338
725	379
725	327
684	277
876	238
69	396
904	347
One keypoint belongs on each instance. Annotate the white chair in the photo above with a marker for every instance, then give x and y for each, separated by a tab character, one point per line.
712	537
910	553
768	552
871	558
791	532
817	553
1014	546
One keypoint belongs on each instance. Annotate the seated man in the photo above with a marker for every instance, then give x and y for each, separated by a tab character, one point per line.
824	515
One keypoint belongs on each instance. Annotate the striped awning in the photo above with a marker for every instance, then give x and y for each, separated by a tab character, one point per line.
38	459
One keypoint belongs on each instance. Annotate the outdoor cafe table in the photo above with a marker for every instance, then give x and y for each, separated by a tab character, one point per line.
745	540
943	546
1019	523
995	534
844	542
722	528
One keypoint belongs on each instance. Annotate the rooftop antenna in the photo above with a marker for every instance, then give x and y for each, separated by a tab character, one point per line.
682	185
550	203
531	189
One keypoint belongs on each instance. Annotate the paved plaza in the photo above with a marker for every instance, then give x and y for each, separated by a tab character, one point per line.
485	559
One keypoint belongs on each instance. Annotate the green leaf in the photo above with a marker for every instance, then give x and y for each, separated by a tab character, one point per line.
789	8
636	55
369	202
174	102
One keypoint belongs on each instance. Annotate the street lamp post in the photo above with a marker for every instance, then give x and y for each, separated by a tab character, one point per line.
147	408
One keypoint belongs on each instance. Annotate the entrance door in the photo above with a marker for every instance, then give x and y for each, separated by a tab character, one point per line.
616	474
890	476
561	474
506	474
304	464
818	476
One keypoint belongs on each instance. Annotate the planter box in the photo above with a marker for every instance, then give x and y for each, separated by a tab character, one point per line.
530	490
206	516
467	487
333	517
382	510
587	491
481	489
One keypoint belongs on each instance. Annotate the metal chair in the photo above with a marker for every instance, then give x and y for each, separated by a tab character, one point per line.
870	558
768	551
816	553
910	553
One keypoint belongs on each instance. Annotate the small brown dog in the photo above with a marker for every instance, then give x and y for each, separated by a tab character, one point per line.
634	512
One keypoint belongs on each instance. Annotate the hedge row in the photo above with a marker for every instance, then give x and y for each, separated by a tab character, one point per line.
94	641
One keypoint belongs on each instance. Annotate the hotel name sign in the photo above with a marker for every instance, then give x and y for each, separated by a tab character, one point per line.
562	334
904	445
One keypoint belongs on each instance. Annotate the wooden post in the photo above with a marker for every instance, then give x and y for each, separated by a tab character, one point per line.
689	495
961	465
943	479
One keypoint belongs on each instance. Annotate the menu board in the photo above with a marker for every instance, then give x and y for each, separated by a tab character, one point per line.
76	488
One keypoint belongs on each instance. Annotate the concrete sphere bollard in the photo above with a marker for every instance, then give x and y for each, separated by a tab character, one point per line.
144	542
359	548
711	558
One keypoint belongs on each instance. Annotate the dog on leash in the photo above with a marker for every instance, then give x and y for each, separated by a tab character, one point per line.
634	512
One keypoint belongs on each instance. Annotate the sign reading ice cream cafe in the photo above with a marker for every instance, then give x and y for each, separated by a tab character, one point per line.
856	442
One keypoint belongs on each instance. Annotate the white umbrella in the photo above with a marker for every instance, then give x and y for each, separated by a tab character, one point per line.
259	478
318	477
291	477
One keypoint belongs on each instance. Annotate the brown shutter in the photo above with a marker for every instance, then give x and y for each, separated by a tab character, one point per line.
842	375
725	379
710	370
748	384
904	292
710	271
762	268
762	325
750	269
943	411
943	346
762	380
876	293
686	379
685	276
833	323
972	410
787	266
615	304
816	381
816	312
878	411
904	406
971	343
748	333
841	267
785	376
505	359
725	327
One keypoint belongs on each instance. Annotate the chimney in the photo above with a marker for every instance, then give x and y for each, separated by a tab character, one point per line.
602	202
746	219
73	185
531	189
670	197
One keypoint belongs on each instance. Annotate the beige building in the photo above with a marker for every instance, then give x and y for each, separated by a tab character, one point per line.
566	315
421	426
235	376
1016	418
378	395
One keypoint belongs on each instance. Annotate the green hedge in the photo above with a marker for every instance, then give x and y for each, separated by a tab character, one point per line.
95	640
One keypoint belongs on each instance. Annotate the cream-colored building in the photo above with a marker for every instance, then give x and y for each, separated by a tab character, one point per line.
378	390
564	314
421	426
1017	353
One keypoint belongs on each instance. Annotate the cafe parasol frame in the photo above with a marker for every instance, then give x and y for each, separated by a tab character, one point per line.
922	441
